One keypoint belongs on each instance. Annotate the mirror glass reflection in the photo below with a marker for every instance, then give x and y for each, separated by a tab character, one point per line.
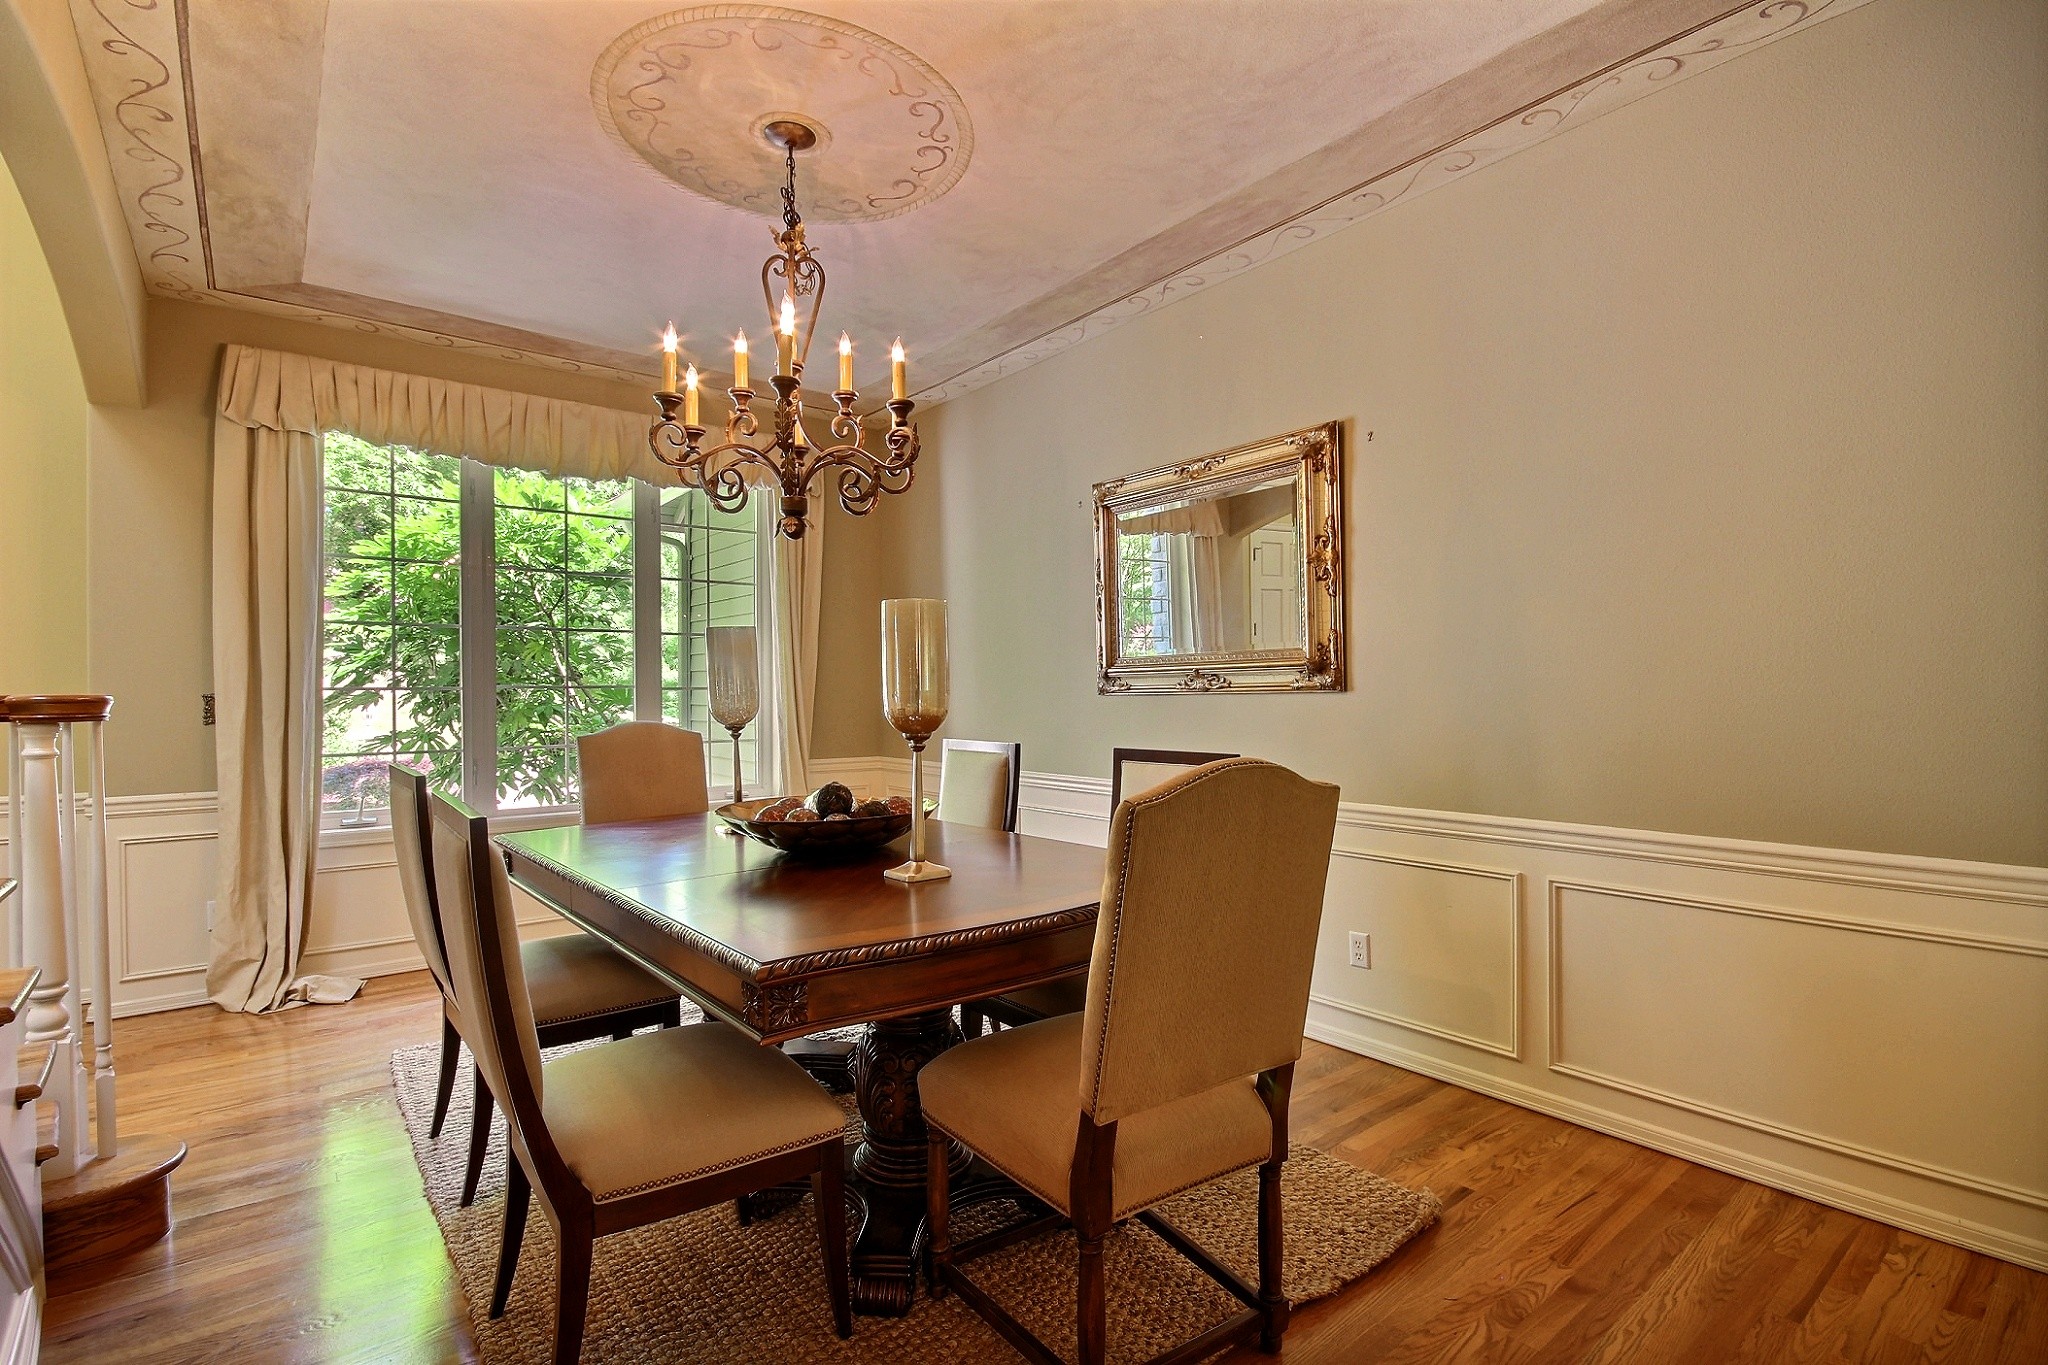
1221	573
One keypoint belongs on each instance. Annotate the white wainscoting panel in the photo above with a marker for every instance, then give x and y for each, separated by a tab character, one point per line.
1867	1030
160	890
1446	947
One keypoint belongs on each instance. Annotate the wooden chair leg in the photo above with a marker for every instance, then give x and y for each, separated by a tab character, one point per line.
938	1213
672	1014
518	1196
620	1035
479	1139
1091	1323
828	1191
444	1086
971	1022
1272	1296
572	1287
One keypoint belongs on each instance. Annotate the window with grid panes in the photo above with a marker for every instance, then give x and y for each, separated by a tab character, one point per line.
709	561
1145	606
559	601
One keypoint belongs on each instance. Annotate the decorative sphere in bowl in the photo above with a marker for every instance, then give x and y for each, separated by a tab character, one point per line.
802	831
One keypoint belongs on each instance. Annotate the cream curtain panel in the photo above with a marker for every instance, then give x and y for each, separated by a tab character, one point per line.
796	587
266	676
273	407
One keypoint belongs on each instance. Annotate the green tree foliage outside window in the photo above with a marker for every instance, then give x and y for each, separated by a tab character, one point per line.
562	660
1143	609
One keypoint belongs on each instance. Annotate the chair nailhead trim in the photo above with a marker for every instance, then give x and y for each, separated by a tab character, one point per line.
714	1169
609	1009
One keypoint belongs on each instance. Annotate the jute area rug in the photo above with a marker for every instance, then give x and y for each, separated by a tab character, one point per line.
701	1288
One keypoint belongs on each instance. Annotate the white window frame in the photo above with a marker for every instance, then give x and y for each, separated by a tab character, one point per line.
477	641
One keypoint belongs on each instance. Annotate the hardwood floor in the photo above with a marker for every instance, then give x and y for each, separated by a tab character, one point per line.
302	1234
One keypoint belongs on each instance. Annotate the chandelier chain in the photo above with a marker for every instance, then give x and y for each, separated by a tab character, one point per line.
790	217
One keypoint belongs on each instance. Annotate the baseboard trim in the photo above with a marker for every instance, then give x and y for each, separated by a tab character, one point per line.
2007	1246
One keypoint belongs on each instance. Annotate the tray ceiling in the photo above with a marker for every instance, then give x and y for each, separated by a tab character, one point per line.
552	180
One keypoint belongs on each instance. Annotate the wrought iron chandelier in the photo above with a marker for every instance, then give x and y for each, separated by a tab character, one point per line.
787	455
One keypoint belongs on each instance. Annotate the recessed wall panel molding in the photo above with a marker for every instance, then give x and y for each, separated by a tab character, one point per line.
1867	1030
1894	1043
1445	948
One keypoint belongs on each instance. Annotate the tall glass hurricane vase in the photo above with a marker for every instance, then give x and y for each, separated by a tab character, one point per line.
735	689
914	698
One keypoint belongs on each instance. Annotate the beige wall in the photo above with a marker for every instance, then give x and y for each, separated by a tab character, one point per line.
1707	483
151	514
42	471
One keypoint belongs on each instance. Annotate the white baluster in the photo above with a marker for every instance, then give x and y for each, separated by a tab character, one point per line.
94	909
14	956
45	925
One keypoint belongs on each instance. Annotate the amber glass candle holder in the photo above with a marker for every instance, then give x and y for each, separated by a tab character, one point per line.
914	698
735	690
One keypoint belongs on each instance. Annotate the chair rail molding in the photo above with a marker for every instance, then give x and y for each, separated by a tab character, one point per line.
1868	1030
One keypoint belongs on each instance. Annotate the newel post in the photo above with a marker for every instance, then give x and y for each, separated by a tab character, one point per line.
58	845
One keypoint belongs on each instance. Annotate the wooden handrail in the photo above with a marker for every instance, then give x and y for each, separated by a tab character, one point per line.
56	707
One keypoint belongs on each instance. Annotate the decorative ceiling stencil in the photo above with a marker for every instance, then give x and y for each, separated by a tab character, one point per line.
688	93
325	164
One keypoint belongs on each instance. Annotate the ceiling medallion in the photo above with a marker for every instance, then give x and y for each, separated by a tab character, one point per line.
787	457
689	92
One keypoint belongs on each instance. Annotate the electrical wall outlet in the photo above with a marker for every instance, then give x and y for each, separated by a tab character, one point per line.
1361	950
209	916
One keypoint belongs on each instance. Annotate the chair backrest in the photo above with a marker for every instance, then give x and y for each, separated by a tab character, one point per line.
1132	771
642	770
1210	905
412	832
482	938
978	782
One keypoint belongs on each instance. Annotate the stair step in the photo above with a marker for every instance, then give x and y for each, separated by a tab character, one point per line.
45	1152
28	1091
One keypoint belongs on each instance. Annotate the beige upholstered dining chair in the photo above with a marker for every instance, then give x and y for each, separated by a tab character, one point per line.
642	770
978	782
616	1137
581	989
1179	1068
1132	770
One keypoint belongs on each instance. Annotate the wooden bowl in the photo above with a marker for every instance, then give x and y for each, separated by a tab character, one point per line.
817	838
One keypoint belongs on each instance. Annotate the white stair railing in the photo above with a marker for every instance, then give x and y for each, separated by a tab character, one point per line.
58	852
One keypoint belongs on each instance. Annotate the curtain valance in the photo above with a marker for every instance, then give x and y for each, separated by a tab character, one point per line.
281	391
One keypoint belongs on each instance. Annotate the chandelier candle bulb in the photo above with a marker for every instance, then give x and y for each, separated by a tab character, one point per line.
785	338
739	361
689	395
899	386
668	359
845	363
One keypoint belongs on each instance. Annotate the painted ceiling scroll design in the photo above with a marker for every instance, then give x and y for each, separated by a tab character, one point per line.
138	57
143	119
1750	26
680	93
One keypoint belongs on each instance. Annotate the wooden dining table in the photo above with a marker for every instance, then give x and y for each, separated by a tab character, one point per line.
781	948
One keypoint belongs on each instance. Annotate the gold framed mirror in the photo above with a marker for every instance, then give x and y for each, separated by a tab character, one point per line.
1225	573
